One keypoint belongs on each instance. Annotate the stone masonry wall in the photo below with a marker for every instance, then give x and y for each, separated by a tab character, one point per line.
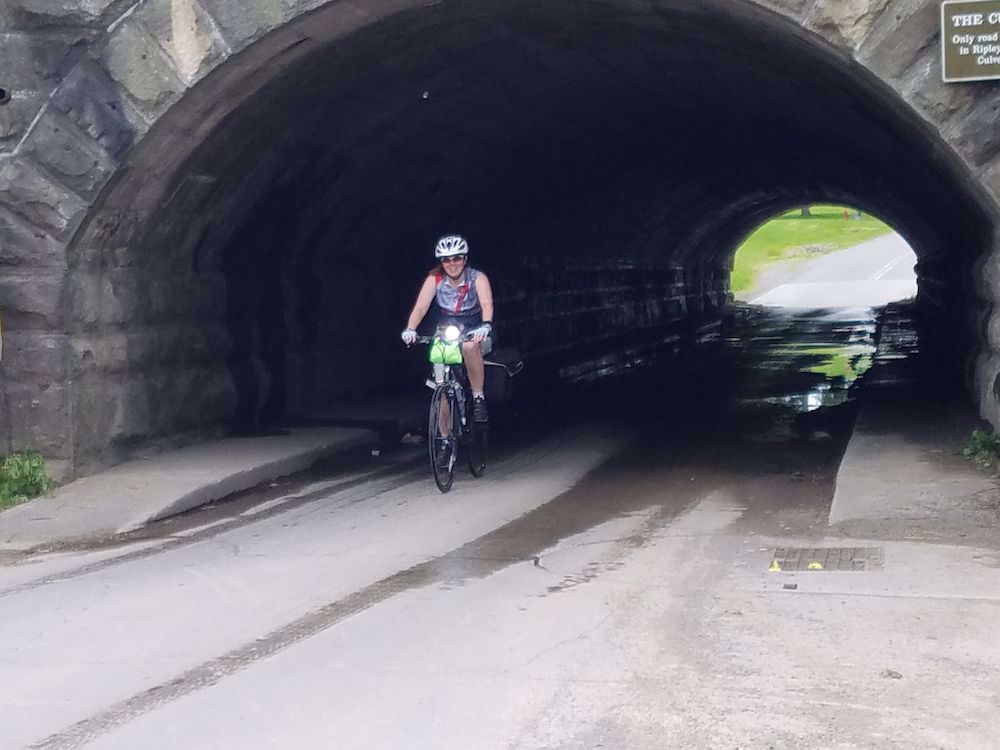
83	83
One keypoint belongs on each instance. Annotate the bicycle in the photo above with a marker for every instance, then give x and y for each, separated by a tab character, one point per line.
450	425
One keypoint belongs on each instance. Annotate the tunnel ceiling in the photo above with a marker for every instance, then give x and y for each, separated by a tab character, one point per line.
275	197
573	131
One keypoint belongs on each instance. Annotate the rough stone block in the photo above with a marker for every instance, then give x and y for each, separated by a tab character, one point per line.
241	22
35	357
16	117
129	412
936	100
109	298
989	176
987	372
95	104
189	200
22	245
121	301
100	355
974	133
844	22
993	332
130	421
107	239
110	411
186	399
84	299
32	300
36	61
134	59
76	160
193	346
44	203
900	36
987	276
792	8
39	418
52	12
186	33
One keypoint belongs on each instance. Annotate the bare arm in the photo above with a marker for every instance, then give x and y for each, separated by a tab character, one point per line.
423	303
485	292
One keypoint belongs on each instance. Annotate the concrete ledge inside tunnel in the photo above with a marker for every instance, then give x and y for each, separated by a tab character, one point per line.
602	160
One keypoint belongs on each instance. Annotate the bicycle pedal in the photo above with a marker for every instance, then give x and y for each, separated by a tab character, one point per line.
430	384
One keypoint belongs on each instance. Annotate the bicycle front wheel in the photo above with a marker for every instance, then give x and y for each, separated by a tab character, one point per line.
442	438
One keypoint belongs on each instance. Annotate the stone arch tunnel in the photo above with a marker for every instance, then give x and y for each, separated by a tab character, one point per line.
187	181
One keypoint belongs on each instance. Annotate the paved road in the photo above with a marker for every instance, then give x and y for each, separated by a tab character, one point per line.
606	585
872	273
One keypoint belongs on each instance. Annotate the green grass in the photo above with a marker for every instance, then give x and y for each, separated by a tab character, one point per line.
22	477
847	362
983	448
793	237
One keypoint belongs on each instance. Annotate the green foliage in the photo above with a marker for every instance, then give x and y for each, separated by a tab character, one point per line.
794	237
22	477
983	448
846	362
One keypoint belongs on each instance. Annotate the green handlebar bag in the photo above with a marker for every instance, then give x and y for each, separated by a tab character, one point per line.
443	353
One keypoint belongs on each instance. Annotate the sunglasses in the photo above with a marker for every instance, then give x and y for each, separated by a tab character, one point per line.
454	259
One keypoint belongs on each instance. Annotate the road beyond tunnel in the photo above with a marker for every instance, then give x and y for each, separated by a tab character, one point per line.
255	241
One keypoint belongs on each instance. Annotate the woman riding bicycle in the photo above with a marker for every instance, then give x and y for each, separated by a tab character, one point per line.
464	297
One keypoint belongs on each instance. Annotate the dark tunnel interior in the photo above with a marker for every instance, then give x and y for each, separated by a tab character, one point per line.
603	162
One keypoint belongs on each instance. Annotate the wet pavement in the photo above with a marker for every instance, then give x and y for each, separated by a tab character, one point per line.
633	572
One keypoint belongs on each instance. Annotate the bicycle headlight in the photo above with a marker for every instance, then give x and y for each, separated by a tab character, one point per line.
451	333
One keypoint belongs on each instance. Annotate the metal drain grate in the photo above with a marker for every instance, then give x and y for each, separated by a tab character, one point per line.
794	559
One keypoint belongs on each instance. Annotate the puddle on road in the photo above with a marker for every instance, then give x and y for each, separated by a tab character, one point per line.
633	482
773	377
755	360
799	368
809	379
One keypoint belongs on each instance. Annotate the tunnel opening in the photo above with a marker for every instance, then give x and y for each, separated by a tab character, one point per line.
824	256
602	159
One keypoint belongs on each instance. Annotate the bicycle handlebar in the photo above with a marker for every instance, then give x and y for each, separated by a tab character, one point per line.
430	339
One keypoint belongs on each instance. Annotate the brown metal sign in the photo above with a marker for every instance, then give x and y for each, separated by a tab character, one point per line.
970	40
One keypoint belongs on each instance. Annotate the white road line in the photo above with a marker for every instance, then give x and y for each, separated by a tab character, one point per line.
888	267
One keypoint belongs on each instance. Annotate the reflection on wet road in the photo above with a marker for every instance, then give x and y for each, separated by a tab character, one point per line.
605	585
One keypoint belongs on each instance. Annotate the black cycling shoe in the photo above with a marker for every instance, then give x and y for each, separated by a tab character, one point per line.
479	412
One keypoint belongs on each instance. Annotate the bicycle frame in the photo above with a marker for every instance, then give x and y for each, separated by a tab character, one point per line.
457	385
449	420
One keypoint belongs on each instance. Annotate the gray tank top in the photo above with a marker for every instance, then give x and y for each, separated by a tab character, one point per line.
458	300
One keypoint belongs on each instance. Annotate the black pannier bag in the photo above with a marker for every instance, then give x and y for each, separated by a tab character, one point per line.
501	366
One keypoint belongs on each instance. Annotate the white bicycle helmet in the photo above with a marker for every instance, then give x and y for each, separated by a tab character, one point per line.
450	246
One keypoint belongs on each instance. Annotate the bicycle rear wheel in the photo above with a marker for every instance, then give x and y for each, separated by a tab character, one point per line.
477	442
442	437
